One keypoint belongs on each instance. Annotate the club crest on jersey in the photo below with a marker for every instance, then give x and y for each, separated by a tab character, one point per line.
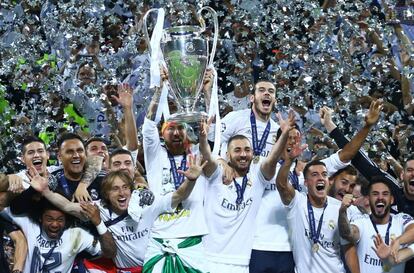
94	194
223	127
332	224
407	218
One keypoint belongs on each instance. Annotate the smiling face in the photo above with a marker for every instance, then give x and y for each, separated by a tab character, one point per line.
407	176
240	154
316	179
53	223
264	99
380	200
119	194
35	154
72	156
342	184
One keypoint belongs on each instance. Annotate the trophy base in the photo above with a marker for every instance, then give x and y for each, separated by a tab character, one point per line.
188	117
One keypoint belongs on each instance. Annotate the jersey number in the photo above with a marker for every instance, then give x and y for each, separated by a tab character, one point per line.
53	261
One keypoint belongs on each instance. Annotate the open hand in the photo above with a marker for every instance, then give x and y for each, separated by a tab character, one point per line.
195	168
37	182
371	118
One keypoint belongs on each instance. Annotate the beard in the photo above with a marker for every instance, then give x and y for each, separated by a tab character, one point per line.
383	214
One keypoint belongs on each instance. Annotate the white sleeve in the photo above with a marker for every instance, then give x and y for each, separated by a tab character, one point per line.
23	176
218	173
295	201
359	223
407	220
162	204
151	138
23	221
89	243
227	131
334	164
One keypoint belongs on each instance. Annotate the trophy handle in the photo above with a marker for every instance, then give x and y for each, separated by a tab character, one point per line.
145	27
203	28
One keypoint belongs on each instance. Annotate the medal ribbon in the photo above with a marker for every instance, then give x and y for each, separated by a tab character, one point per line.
178	178
314	234
64	183
240	189
387	233
294	179
258	146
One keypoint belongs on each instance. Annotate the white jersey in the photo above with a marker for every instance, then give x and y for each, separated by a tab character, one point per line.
368	260
188	220
272	228
26	180
231	225
238	123
131	237
327	258
60	253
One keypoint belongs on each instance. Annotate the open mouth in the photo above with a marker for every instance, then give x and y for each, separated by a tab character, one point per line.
320	186
122	202
76	163
411	183
340	195
380	207
266	102
53	233
37	163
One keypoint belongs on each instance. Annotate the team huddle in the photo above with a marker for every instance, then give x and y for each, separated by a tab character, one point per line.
259	206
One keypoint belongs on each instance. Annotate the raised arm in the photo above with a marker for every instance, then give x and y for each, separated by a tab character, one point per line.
286	190
153	107
371	118
268	167
125	99
346	230
211	164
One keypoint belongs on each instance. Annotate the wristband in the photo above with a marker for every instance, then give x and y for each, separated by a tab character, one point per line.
101	228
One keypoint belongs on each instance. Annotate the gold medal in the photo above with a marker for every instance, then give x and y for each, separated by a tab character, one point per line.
315	247
386	268
256	159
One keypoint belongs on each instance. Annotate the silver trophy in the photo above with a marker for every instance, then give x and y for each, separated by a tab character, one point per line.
186	54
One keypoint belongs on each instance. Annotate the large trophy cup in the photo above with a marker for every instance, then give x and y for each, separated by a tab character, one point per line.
186	54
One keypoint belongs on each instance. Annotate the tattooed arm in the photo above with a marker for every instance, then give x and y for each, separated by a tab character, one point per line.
93	167
346	230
